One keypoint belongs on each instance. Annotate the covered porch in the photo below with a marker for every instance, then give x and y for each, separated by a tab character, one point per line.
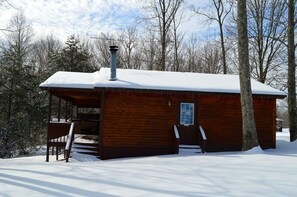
73	112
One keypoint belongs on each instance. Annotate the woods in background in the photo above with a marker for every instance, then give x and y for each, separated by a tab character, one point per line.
156	42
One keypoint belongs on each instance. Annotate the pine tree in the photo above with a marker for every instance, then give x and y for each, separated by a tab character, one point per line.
21	113
73	57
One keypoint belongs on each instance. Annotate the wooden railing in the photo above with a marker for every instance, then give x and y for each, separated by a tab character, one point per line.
57	136
70	139
204	139
58	130
176	139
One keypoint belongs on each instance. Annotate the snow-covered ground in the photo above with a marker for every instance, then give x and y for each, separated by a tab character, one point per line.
252	173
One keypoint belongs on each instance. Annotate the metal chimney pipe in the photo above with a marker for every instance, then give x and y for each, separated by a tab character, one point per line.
113	63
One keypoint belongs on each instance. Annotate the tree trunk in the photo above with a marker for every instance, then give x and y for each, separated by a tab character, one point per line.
223	48
249	139
163	37
291	73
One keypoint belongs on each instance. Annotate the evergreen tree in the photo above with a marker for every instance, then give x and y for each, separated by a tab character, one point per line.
21	105
73	57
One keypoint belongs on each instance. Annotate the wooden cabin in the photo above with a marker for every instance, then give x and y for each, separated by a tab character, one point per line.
142	113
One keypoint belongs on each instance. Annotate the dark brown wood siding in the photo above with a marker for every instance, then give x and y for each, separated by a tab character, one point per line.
220	117
141	123
265	116
137	124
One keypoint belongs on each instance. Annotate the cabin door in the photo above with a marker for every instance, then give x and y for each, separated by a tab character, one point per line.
188	123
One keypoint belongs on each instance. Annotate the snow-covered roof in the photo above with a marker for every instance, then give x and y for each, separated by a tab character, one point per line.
155	80
64	79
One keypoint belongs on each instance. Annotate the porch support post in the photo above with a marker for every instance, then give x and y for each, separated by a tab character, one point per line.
48	124
59	110
101	132
66	111
71	115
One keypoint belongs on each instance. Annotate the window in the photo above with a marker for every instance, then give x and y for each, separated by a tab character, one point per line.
187	114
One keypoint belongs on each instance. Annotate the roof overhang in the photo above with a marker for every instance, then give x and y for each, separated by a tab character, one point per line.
78	97
156	81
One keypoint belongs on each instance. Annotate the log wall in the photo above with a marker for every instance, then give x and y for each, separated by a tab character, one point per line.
265	115
141	123
220	117
136	125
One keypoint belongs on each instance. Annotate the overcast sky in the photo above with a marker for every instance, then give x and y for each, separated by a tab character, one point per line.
88	18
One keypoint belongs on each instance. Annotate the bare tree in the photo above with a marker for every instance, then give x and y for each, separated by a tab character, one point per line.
201	59
150	50
4	4
43	50
191	49
211	59
160	15
291	72
129	42
177	41
222	10
101	49
250	139
267	35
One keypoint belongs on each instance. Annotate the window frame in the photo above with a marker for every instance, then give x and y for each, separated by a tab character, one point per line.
187	114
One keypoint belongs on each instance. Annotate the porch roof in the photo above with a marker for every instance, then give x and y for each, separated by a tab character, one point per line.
156	80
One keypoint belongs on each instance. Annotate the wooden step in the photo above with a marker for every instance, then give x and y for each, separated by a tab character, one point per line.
86	148
86	144
94	149
184	146
88	153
